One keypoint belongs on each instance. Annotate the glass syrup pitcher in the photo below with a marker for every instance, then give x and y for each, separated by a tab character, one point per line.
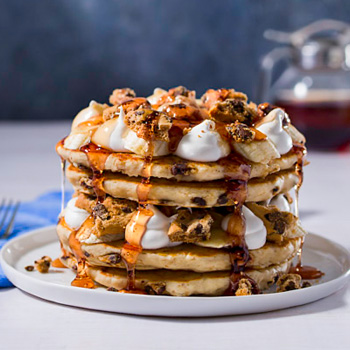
314	88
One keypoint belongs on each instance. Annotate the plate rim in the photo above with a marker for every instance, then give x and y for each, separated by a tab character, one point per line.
19	279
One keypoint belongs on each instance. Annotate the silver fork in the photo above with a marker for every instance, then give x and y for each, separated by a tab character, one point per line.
7	208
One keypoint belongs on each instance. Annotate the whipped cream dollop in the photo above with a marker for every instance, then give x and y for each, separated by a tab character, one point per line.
94	109
156	235
74	216
116	136
255	234
203	144
111	134
275	131
281	202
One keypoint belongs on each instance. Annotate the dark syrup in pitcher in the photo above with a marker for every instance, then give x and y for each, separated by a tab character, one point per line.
323	116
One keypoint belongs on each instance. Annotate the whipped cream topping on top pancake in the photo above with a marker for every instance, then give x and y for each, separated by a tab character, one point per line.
203	144
203	130
275	131
94	109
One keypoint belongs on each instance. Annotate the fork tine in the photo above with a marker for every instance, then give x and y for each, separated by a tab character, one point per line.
5	214
8	230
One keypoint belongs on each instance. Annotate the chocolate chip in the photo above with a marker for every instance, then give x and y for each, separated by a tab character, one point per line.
100	211
279	223
29	268
86	254
180	169
75	267
112	289
114	258
199	229
156	289
126	210
275	189
223	199
199	201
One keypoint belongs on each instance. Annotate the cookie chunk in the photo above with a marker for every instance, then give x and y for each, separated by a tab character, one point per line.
276	222
121	95
181	91
131	104
43	264
191	226
290	281
111	216
232	110
211	96
244	287
240	132
149	124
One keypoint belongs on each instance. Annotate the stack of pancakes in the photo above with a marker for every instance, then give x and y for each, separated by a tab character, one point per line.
181	196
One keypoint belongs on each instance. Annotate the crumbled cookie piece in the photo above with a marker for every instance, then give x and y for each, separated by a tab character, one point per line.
149	124
111	216
276	222
232	110
289	281
131	104
210	97
121	95
181	91
29	268
156	288
43	264
184	109
190	227
245	287
100	211
240	132
86	182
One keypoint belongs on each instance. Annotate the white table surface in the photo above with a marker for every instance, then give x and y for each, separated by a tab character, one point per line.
30	167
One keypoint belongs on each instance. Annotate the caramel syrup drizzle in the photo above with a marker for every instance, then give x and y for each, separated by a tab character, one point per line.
239	253
136	229
97	158
306	272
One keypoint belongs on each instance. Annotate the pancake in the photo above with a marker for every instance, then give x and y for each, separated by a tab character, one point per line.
172	167
178	196
183	257
184	194
112	215
184	283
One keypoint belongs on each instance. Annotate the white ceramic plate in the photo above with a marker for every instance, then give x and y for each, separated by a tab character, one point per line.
322	253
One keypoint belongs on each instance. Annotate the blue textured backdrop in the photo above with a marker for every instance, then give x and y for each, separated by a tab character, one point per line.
57	55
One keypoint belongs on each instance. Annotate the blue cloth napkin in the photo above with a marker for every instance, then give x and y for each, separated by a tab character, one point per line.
41	212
